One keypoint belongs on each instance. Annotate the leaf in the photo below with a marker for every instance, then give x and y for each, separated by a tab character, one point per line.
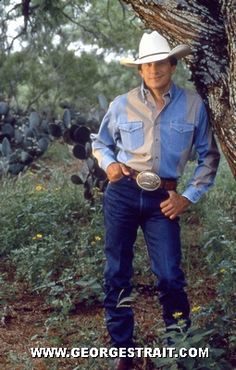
18	136
82	135
8	131
16	168
55	130
43	144
88	149
124	302
34	337
174	367
34	120
79	151
4	107
76	180
25	157
90	163
6	148
67	118
86	283
103	102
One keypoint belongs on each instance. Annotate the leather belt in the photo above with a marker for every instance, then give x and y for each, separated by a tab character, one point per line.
167	184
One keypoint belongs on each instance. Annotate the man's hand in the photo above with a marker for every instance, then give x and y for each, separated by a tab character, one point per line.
115	171
174	205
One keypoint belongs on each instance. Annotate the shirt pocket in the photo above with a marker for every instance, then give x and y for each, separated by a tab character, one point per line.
181	135
132	134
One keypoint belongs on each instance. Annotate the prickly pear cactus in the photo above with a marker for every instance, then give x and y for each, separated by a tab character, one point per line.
25	137
89	175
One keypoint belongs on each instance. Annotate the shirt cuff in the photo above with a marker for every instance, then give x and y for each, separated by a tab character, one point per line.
192	193
106	162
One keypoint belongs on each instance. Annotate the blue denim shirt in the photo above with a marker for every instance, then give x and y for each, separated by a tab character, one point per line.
135	133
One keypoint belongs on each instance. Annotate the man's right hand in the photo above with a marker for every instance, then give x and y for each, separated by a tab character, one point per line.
115	171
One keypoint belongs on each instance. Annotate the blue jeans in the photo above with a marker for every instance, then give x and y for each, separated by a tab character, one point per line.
126	207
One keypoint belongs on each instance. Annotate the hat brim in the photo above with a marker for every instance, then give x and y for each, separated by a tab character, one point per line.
178	52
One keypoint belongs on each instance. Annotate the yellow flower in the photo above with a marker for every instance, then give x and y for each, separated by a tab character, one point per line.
222	271
181	322
39	187
176	315
97	238
196	309
37	237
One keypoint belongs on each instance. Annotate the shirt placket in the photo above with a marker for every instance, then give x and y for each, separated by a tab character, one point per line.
156	118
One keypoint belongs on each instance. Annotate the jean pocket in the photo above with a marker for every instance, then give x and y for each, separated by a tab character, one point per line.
181	135
132	135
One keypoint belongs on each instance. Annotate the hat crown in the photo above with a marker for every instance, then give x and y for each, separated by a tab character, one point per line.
153	47
153	43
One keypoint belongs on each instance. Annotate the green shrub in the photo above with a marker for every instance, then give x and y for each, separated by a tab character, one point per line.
54	240
52	236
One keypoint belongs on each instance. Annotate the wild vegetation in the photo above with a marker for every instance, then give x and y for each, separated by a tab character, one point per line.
52	242
51	239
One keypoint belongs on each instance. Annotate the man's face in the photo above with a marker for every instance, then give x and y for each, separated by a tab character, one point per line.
157	75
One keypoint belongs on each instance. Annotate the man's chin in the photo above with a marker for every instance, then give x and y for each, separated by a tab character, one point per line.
157	86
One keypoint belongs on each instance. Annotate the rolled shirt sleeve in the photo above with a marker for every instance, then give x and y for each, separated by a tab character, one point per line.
208	159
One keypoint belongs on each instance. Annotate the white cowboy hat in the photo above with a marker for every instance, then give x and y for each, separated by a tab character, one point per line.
154	47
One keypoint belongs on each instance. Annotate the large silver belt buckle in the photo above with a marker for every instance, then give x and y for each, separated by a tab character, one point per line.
148	180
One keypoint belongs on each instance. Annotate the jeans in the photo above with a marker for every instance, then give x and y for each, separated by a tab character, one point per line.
126	207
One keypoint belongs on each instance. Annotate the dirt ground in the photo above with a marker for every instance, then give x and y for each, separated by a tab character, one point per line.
24	315
24	318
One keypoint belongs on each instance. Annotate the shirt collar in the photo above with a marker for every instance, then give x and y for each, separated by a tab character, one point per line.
145	91
172	90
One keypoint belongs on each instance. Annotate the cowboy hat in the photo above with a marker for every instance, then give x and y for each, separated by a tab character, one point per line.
154	47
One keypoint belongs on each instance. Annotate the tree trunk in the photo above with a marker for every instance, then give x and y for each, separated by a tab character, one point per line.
208	26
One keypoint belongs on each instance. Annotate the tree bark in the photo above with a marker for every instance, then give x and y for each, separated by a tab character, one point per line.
208	26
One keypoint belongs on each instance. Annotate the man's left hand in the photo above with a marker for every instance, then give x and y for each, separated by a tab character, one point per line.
174	205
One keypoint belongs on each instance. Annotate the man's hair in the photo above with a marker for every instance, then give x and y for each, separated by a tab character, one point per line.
173	61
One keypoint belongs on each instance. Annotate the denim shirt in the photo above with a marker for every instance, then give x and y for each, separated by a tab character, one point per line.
135	133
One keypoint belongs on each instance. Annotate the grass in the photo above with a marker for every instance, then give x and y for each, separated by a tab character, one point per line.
52	242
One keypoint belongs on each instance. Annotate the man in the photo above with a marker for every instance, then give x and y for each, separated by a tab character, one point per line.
143	144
